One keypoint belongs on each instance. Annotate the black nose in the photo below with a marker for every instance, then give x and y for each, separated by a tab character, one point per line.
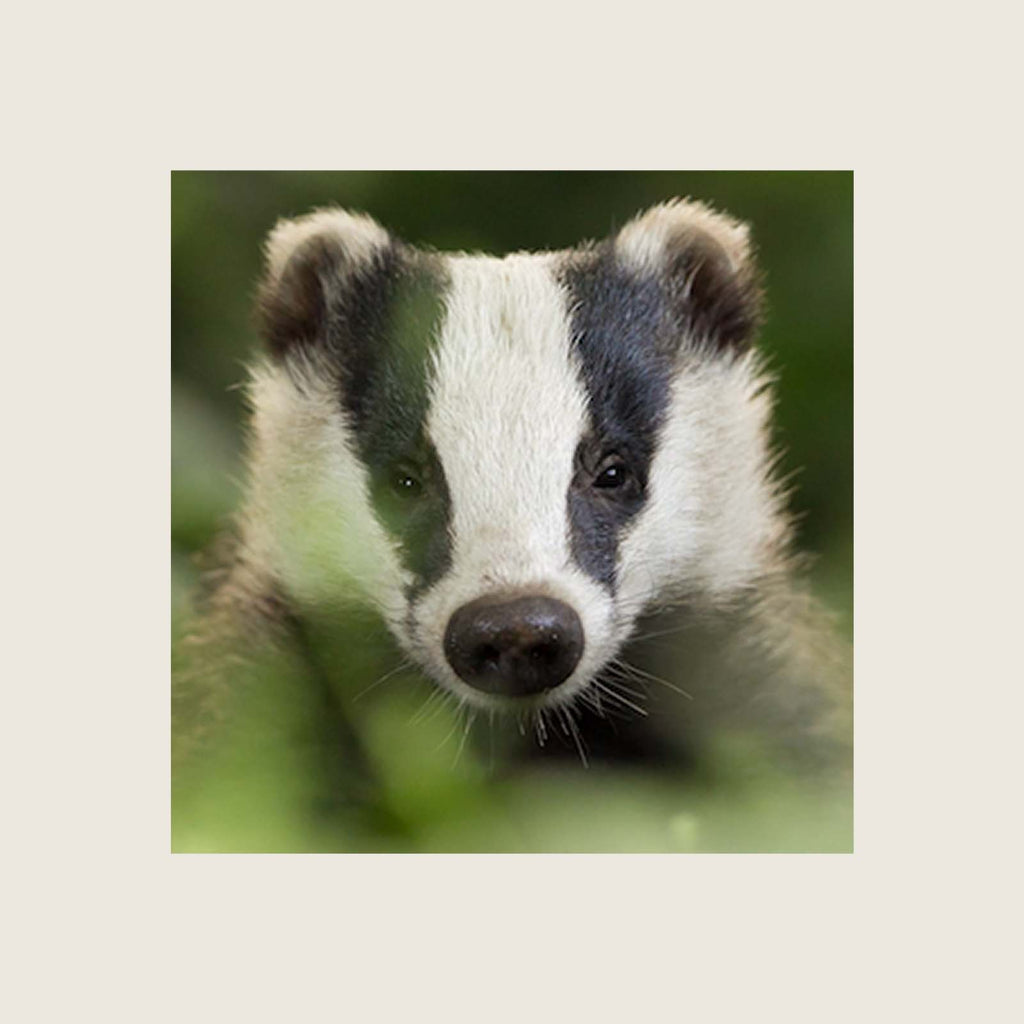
516	646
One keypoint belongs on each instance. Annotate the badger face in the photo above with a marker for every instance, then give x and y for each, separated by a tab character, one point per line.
511	459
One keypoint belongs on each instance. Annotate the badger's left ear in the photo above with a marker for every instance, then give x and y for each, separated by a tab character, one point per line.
705	263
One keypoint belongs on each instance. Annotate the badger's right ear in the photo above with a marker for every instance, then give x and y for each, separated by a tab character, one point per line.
313	266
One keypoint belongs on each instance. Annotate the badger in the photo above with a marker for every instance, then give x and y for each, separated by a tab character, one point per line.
549	476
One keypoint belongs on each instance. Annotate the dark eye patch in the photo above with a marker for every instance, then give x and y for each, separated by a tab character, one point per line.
605	494
623	338
411	499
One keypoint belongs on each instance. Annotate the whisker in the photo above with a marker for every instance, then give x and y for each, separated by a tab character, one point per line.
654	679
617	674
591	699
470	717
615	695
451	731
655	634
403	664
572	731
609	713
541	727
436	695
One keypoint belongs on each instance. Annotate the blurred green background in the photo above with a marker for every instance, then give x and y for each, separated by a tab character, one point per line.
803	227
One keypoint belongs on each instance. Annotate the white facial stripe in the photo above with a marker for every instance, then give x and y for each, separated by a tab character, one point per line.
506	414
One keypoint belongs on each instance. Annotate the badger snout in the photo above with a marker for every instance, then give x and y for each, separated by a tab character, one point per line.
514	647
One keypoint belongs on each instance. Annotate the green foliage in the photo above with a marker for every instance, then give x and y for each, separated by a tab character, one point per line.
265	789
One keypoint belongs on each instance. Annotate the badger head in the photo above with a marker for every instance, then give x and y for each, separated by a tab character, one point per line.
511	459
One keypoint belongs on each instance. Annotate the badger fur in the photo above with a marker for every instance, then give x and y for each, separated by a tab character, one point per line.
545	473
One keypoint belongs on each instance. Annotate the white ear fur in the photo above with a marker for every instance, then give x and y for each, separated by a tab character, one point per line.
646	241
358	236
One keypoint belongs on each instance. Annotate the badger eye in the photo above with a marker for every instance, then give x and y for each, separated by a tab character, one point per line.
612	475
407	485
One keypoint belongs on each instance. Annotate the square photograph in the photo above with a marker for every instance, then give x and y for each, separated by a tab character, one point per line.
512	512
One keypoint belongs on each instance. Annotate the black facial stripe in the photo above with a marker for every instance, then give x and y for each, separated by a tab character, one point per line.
387	324
624	339
374	324
394	318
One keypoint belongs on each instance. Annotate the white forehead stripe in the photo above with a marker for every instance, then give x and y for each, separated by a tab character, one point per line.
507	411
